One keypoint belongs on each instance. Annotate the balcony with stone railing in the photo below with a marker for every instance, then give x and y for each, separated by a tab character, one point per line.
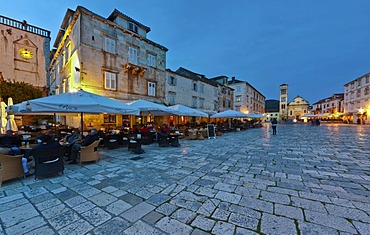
24	26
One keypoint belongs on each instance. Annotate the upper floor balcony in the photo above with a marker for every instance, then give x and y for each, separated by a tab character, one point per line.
24	26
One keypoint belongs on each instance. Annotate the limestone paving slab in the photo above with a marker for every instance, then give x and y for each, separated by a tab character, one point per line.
17	215
137	212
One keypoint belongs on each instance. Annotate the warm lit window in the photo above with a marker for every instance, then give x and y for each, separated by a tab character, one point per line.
110	81
110	45
238	98
133	55
151	60
151	88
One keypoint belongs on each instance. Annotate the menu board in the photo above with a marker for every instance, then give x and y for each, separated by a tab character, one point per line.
211	131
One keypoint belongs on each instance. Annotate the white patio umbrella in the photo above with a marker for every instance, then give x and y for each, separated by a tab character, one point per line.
74	102
256	115
3	114
230	114
150	108
11	125
183	110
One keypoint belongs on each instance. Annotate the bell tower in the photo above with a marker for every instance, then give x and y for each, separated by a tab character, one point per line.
283	109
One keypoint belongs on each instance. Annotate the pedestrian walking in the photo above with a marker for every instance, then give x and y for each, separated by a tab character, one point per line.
273	125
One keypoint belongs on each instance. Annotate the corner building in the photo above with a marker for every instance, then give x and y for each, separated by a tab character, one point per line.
24	51
107	56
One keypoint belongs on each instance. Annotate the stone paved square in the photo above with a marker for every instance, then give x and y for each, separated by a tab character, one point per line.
305	180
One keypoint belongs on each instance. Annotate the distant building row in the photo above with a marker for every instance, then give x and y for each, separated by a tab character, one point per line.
113	57
352	106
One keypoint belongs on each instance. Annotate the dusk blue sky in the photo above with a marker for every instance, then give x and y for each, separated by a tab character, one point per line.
313	46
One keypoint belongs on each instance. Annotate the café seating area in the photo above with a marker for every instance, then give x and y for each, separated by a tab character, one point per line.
51	162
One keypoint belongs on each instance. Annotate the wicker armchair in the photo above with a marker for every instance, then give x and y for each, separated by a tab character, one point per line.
11	167
90	153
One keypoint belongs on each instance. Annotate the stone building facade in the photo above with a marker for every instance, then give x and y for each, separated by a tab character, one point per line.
191	89
297	108
24	51
283	98
108	56
357	99
247	99
225	94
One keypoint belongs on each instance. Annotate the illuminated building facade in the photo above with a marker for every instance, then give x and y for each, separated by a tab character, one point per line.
329	105
24	51
357	99
108	56
297	108
247	99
